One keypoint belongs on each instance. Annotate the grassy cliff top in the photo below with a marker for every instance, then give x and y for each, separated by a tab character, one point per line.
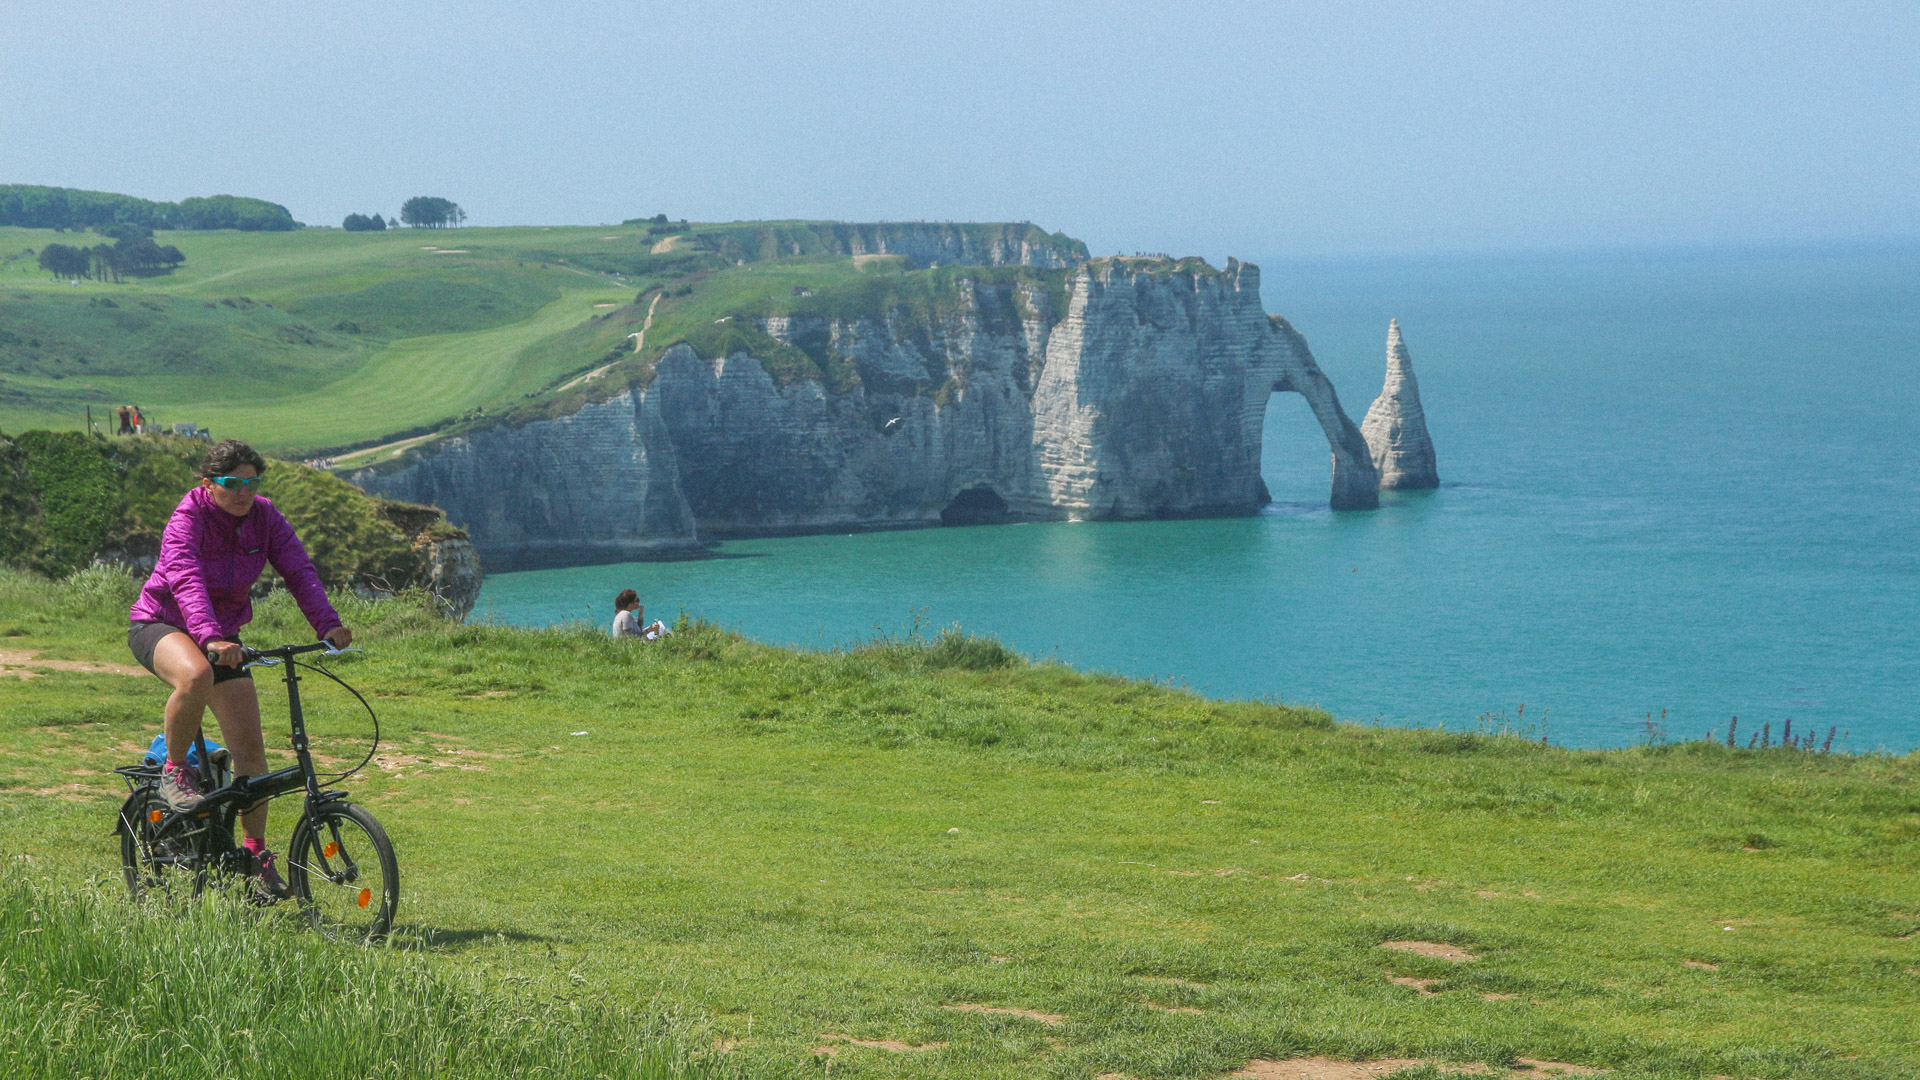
321	339
1023	870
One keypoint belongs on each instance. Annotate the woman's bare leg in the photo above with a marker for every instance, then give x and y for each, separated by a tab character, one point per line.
180	663
237	706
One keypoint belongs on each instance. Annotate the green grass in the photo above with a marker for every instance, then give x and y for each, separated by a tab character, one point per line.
323	339
305	340
99	988
761	838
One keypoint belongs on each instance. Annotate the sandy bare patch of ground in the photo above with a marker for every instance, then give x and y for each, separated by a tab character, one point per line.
1486	894
860	261
1171	981
1049	1019
1432	948
663	246
68	792
14	662
1536	1067
607	304
396	764
361	457
1498	997
1321	1068
893	1045
1418	984
998	959
1701	964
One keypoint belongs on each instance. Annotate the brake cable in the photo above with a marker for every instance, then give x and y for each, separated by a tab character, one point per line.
342	778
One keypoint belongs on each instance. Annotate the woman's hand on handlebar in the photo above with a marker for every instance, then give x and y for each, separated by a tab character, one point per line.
224	653
339	637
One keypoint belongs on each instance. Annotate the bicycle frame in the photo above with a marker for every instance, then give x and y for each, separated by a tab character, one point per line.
229	802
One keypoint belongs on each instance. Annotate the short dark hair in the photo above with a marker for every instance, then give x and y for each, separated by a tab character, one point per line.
230	455
626	597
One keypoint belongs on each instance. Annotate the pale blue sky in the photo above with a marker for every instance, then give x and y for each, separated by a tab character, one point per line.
1256	129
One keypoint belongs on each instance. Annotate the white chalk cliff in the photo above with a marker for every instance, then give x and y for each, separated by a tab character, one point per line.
1396	425
1145	397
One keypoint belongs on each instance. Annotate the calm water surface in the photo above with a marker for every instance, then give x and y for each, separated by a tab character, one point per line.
1669	482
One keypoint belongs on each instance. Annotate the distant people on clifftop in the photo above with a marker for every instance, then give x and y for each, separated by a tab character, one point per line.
627	615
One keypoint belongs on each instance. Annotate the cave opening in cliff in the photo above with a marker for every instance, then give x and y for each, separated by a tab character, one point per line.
975	506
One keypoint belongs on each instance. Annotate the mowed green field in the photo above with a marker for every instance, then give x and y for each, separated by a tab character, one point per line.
930	859
319	340
303	340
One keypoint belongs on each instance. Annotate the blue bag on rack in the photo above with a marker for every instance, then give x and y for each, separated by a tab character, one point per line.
157	753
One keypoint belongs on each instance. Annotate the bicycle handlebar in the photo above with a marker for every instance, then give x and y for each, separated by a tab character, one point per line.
250	655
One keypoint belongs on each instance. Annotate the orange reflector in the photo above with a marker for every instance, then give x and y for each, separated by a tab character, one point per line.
153	815
331	849
366	897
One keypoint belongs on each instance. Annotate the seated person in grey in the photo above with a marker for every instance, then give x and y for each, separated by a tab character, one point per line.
626	619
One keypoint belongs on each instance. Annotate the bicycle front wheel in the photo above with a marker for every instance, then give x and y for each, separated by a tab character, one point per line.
342	870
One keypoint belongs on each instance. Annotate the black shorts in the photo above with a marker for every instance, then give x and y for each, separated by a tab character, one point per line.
144	637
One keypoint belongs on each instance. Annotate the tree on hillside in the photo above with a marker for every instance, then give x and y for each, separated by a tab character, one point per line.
139	255
234	212
364	223
63	261
431	212
106	262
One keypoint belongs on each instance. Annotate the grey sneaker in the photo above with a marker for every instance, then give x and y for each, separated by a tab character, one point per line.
179	786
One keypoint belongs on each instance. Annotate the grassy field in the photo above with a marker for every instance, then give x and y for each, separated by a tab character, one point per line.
99	988
320	339
932	859
302	340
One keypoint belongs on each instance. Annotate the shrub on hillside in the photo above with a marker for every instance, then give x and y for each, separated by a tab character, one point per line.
35	207
67	499
78	496
364	223
19	523
431	212
348	534
234	212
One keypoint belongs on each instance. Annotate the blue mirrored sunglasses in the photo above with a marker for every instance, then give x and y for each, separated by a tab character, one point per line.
239	483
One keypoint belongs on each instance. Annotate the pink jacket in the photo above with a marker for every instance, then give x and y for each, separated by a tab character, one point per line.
210	559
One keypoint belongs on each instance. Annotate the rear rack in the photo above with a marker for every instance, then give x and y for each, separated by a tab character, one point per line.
137	775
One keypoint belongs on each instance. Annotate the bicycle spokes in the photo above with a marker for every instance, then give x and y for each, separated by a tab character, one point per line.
343	870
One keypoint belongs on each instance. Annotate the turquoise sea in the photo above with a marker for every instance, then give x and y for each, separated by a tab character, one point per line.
1684	482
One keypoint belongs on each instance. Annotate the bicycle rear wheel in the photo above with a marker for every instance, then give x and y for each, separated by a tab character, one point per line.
161	855
341	868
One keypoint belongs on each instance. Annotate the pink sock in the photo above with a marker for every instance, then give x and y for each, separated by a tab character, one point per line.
254	846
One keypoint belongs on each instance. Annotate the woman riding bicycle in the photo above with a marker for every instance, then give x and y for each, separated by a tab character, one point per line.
220	538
